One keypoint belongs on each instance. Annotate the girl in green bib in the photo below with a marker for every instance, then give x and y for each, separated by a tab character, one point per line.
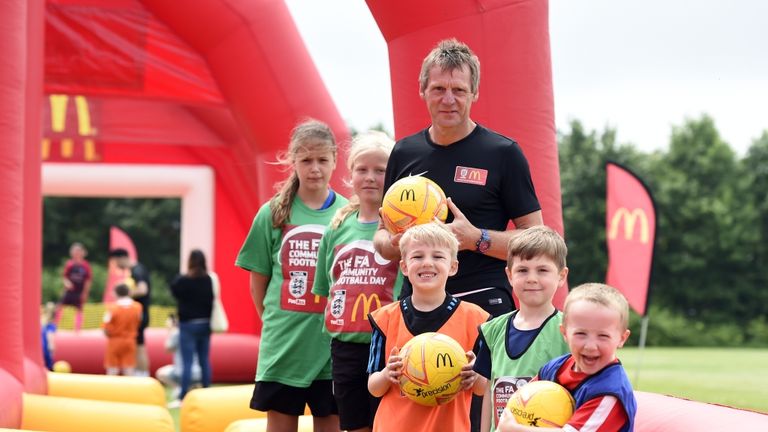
356	280
280	252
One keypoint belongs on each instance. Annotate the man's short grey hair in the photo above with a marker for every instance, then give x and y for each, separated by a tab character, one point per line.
450	54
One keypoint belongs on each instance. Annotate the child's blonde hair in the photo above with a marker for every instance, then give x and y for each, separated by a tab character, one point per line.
537	241
601	294
433	234
309	133
368	142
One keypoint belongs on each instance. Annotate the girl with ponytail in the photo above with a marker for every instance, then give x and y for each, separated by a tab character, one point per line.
280	252
356	280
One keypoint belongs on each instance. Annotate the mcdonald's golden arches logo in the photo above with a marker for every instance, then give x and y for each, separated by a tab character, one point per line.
408	194
367	302
69	149
631	219
444	359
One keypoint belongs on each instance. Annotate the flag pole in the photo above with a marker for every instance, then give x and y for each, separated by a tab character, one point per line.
641	348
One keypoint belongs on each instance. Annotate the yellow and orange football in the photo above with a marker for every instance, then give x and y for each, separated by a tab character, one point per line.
543	404
413	200
432	365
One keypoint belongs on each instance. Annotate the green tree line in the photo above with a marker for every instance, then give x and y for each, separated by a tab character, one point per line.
709	284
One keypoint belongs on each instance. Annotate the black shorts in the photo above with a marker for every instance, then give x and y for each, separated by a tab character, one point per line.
289	400
73	298
349	364
496	301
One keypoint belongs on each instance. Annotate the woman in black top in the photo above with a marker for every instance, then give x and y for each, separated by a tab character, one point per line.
194	297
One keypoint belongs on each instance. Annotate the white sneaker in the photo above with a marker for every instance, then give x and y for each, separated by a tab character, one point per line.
174	404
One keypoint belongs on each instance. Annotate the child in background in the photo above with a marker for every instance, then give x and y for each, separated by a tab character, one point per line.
280	252
121	324
48	330
77	278
428	258
356	280
515	345
595	320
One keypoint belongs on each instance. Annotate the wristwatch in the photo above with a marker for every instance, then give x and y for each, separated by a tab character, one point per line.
484	242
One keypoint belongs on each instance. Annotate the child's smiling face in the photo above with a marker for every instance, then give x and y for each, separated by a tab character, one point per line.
428	267
593	332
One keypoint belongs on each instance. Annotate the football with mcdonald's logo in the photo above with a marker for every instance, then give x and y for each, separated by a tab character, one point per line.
432	365
544	404
410	201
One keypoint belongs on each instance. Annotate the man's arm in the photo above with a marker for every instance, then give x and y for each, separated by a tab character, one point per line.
141	289
468	234
258	284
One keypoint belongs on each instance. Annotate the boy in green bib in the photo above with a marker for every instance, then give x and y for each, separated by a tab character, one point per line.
515	345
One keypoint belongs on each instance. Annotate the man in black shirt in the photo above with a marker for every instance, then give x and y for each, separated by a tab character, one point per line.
484	174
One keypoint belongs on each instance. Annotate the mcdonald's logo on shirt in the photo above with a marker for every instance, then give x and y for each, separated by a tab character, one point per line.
469	175
367	302
630	220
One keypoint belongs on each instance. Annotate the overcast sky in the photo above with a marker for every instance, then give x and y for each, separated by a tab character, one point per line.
640	67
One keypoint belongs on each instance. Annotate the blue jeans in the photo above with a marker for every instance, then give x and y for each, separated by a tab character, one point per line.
194	337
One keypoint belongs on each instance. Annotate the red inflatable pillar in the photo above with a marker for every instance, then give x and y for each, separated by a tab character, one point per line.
35	373
511	38
13	45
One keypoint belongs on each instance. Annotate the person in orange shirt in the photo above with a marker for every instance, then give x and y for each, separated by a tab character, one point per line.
428	258
121	325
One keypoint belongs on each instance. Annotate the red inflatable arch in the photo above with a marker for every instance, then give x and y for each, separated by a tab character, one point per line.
208	91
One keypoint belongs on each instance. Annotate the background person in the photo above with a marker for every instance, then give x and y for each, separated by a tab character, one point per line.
141	292
193	292
121	323
76	278
170	374
48	332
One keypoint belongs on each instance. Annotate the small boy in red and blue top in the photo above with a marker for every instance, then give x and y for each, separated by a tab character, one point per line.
595	320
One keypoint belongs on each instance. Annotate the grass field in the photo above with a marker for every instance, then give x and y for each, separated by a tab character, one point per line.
733	377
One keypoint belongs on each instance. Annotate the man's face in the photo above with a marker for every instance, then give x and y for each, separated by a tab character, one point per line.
449	97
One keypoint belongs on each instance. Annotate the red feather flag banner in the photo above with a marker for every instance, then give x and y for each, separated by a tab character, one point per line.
118	239
630	235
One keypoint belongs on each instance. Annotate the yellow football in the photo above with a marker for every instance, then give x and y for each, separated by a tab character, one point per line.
543	404
432	365
413	200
